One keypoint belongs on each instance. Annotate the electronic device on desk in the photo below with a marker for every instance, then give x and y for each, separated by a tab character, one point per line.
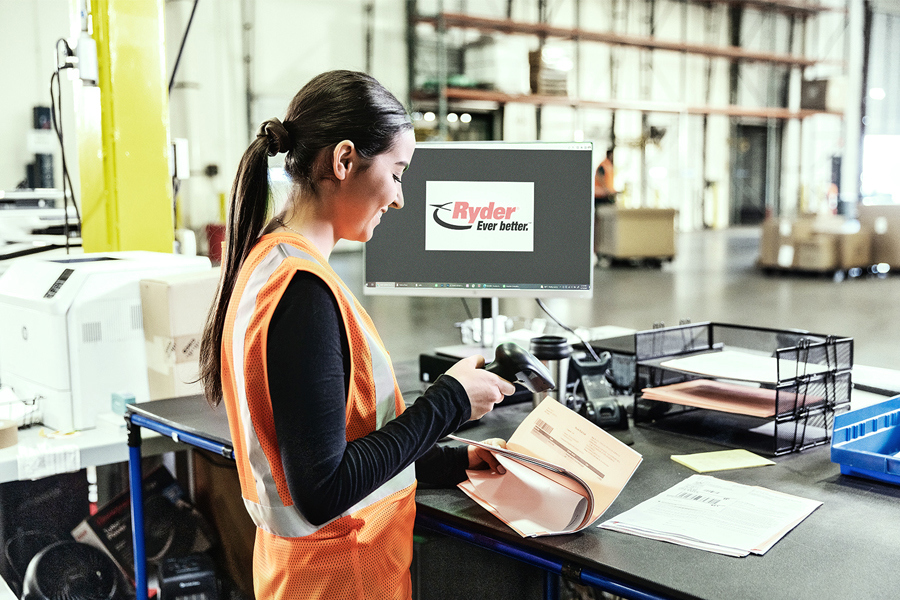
190	577
510	361
593	396
621	369
71	330
28	212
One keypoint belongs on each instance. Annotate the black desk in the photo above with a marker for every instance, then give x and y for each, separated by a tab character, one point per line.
848	548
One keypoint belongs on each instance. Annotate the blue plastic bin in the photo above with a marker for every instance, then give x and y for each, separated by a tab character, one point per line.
866	441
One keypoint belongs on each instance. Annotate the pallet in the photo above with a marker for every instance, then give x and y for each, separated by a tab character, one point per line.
637	262
836	275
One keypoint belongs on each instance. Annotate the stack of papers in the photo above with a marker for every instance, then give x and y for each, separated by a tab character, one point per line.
742	366
729	397
562	473
716	515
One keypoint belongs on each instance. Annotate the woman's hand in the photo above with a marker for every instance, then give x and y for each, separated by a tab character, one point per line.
481	458
483	388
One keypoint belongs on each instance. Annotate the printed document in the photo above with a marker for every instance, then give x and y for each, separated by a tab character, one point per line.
562	473
742	366
716	515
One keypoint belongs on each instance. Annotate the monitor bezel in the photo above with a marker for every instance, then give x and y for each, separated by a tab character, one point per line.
386	289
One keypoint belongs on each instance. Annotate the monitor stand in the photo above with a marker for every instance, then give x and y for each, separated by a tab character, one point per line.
489	308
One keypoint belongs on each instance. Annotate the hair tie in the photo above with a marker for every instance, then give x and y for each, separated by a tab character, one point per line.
278	137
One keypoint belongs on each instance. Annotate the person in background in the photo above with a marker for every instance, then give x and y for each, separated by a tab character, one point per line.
604	190
327	453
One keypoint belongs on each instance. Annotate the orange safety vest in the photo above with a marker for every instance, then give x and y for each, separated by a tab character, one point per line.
603	182
366	551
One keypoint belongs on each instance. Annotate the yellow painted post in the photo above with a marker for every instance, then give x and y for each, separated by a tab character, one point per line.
123	134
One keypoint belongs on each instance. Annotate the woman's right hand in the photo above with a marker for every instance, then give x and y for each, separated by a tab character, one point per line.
483	388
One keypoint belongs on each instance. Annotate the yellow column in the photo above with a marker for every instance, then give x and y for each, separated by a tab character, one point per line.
123	132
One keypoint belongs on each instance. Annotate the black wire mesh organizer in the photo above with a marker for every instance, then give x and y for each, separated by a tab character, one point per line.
812	383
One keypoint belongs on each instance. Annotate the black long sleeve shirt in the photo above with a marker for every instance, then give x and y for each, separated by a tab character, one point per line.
308	359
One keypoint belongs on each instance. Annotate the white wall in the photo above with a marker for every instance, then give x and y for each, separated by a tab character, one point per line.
28	33
289	42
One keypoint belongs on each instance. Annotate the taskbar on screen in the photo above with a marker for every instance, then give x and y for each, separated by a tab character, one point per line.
476	286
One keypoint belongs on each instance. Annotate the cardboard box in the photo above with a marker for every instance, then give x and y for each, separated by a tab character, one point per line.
175	309
776	246
635	232
818	253
882	222
545	78
855	250
814	243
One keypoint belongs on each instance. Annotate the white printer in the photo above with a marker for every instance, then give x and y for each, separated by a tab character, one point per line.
71	330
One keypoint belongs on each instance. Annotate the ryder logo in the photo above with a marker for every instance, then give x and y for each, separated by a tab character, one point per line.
479	216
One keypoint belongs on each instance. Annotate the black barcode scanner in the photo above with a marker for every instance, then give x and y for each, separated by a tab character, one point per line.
516	365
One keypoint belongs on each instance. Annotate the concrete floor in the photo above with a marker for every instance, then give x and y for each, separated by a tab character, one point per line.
712	278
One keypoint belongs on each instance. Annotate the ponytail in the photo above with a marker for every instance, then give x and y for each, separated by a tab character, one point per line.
247	217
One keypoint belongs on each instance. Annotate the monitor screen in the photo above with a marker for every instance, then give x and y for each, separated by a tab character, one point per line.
488	219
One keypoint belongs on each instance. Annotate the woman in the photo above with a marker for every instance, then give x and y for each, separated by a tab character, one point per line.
326	455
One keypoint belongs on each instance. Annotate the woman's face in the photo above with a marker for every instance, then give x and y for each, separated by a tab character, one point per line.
368	192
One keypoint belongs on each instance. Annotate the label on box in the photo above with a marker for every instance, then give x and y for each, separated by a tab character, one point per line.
784	228
785	255
187	348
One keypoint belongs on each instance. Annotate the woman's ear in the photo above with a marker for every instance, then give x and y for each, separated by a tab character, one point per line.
343	159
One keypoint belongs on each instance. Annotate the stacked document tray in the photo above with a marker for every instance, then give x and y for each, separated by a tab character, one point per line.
769	390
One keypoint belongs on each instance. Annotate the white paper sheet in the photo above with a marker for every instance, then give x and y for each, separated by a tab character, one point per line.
741	366
716	515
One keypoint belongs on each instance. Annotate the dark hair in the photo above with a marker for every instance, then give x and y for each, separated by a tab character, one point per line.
333	107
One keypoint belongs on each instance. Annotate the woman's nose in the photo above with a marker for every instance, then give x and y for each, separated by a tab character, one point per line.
398	202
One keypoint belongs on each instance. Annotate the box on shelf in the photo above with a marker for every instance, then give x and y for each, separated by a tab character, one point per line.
174	310
866	441
498	64
635	232
547	79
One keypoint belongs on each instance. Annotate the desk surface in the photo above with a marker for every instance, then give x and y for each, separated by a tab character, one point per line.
845	549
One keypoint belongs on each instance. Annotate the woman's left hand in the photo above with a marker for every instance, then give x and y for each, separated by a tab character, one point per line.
481	458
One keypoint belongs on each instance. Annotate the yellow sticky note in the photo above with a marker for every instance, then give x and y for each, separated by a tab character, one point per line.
721	460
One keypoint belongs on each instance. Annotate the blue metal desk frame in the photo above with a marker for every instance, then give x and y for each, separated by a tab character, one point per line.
552	566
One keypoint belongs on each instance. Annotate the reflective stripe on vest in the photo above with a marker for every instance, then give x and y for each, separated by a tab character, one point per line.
270	513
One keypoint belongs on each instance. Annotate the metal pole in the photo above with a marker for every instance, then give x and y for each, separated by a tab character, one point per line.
442	72
135	481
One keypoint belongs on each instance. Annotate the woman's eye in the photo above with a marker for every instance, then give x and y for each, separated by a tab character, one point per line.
397	179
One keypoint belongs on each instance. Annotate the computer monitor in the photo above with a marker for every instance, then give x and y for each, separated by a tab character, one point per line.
489	219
